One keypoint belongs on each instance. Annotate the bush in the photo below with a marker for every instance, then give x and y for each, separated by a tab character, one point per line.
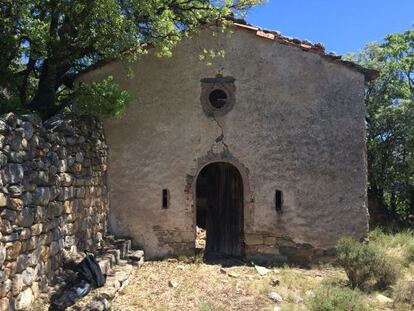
329	298
365	265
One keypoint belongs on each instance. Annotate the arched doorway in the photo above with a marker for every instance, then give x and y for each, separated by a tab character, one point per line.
219	208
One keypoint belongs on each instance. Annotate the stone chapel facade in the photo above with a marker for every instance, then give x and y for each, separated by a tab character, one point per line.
265	148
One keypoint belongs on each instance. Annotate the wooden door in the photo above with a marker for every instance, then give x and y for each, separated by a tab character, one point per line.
224	219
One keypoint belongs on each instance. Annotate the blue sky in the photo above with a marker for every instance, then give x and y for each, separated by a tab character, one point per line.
342	26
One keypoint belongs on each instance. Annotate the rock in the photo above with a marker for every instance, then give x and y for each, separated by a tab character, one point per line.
275	296
383	299
2	254
21	263
276	308
24	300
4	128
15	204
253	239
26	217
15	190
136	255
3	159
180	267
42	196
101	304
17	284
13	173
262	270
233	274
3	199
298	299
173	284
222	270
27	130
13	250
28	275
4	302
5	288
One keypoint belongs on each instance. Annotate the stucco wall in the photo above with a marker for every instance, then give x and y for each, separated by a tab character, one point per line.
297	126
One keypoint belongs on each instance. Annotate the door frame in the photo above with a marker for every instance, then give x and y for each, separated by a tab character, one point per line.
248	200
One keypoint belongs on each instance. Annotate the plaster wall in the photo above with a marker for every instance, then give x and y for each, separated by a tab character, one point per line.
297	126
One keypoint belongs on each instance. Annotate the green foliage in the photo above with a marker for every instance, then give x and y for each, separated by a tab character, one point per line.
103	99
331	298
45	44
390	107
365	265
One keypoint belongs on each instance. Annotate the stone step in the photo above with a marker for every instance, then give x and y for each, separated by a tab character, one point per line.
136	257
124	245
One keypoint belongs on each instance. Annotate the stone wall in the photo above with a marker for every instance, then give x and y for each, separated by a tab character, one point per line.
53	197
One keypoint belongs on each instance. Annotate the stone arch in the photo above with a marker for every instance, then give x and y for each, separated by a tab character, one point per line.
225	157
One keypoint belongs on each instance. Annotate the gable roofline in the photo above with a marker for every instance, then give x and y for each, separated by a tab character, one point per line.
307	46
304	45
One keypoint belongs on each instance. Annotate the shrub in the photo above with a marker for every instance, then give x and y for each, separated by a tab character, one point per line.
365	265
329	298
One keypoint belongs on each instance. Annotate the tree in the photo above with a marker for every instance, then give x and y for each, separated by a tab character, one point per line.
390	124
46	43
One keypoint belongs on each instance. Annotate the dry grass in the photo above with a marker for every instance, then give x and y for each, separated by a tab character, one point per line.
205	287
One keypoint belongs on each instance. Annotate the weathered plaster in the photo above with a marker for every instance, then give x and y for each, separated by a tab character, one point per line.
297	125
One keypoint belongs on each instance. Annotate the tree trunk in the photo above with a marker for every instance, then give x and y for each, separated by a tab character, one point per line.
44	100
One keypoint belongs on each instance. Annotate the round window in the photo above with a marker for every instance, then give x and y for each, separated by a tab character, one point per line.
218	98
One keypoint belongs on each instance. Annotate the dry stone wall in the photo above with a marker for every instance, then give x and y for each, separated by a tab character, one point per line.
53	197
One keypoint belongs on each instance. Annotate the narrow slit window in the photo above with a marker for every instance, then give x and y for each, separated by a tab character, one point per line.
165	198
279	201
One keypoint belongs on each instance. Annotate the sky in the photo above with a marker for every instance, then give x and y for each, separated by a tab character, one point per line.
342	26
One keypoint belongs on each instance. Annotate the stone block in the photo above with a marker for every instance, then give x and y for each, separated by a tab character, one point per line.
253	239
15	204
13	173
13	250
41	196
15	190
25	299
8	214
269	240
66	179
3	254
4	304
26	217
21	263
3	199
5	288
17	284
37	229
28	276
55	209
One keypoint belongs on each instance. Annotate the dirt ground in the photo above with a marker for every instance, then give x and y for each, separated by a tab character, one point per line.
177	285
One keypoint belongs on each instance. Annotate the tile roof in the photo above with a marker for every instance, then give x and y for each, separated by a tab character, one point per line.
307	46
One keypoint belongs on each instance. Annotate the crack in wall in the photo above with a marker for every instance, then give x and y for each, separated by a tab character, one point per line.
221	137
